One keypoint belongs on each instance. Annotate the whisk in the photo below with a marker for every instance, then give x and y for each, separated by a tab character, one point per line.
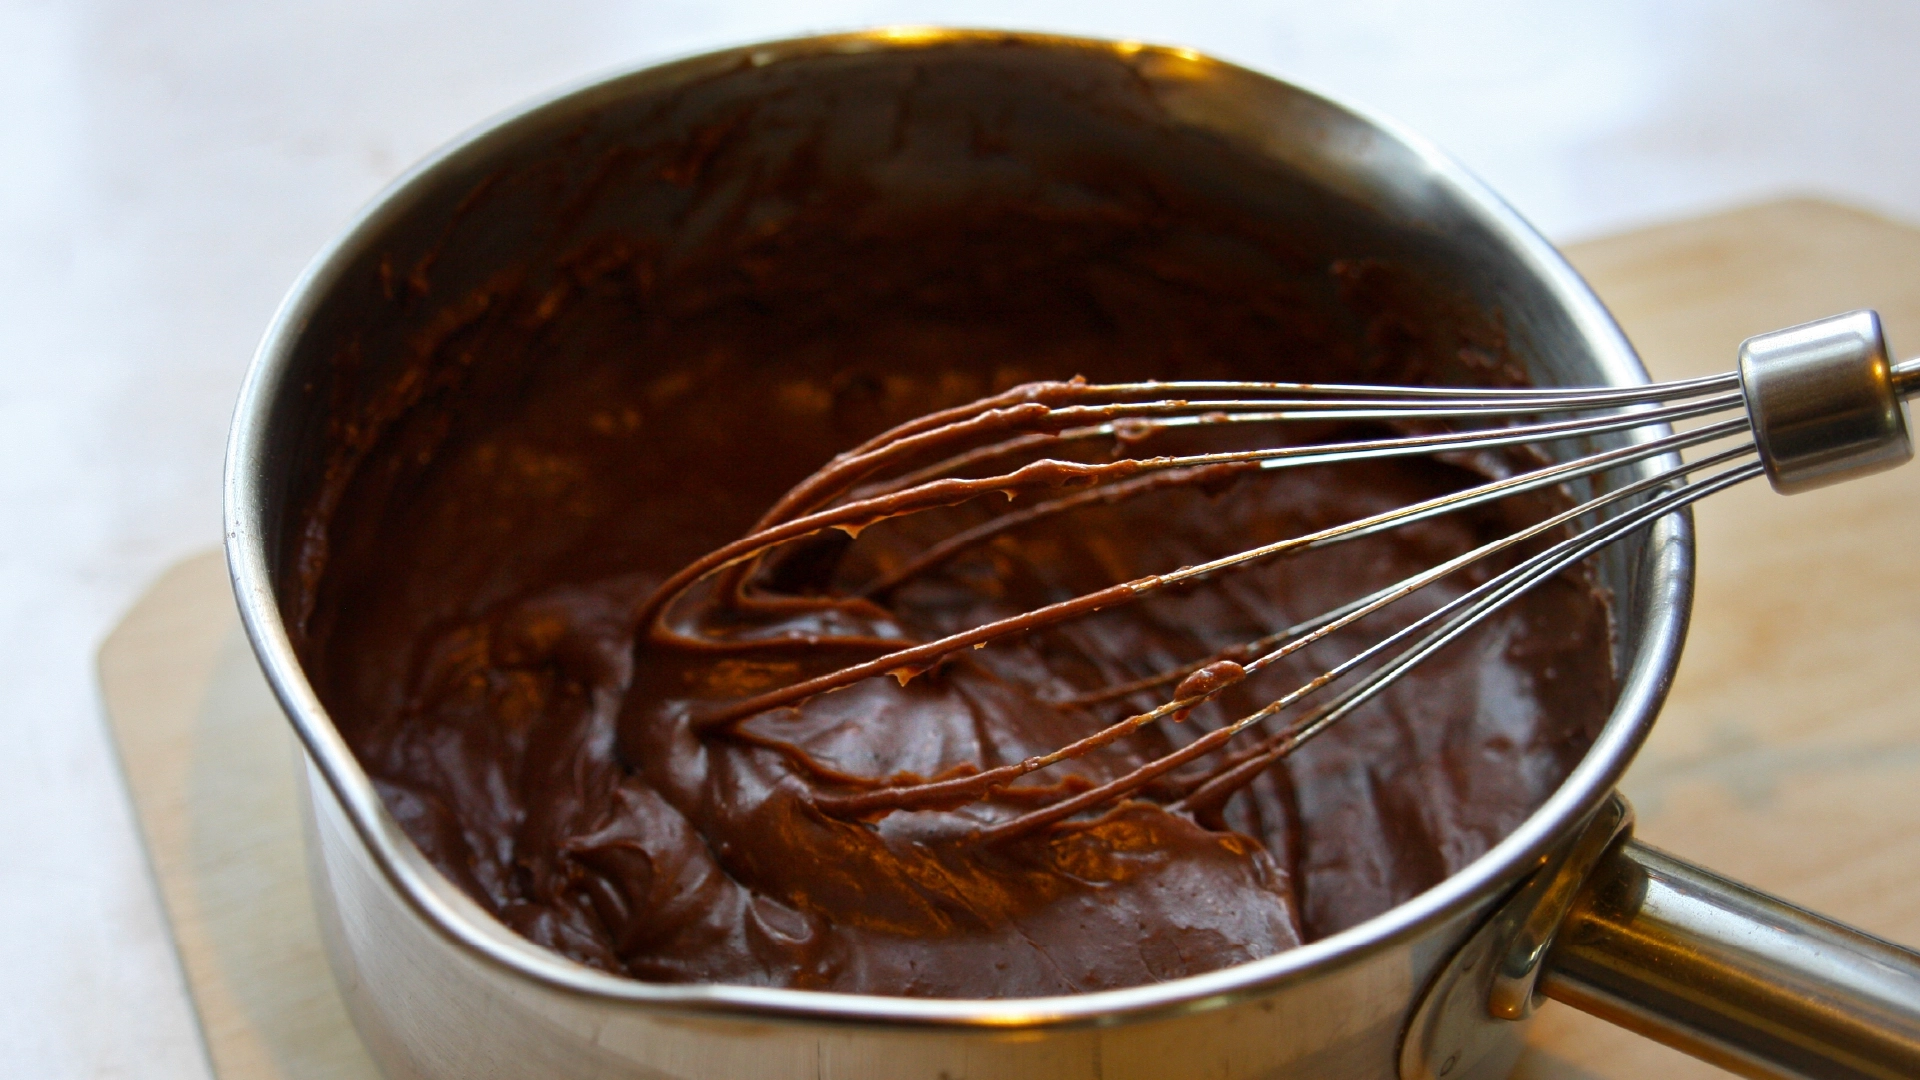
1812	405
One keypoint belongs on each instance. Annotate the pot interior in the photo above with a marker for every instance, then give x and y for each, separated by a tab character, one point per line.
524	352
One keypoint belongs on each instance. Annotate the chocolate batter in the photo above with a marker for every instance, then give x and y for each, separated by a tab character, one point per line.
782	263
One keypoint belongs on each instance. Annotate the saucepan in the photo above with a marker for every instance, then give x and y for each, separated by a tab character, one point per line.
1567	906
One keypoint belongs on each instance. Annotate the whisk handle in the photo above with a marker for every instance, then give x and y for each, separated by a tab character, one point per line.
1906	378
1825	401
1732	975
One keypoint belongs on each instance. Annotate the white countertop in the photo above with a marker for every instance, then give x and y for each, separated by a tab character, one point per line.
167	168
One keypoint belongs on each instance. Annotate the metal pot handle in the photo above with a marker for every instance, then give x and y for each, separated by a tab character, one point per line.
1679	954
1734	976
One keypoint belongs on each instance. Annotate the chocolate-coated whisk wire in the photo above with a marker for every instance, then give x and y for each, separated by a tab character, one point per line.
1816	404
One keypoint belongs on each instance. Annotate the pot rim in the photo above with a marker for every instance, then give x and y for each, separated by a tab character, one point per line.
1665	573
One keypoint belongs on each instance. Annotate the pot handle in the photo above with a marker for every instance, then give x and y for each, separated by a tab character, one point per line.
1731	975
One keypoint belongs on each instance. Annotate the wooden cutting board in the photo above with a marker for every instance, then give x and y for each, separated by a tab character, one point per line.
1788	756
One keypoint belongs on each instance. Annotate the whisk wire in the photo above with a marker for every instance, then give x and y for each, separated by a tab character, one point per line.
1455	616
921	655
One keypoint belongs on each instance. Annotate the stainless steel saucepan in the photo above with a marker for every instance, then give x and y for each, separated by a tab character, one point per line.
1568	906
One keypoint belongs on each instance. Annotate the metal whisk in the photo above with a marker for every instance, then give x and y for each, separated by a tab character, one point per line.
1815	404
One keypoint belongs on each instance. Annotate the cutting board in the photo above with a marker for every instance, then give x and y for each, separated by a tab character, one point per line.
1787	757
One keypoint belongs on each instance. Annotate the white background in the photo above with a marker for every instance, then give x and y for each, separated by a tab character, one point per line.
167	166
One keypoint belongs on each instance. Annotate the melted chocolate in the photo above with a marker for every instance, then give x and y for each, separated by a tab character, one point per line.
604	406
